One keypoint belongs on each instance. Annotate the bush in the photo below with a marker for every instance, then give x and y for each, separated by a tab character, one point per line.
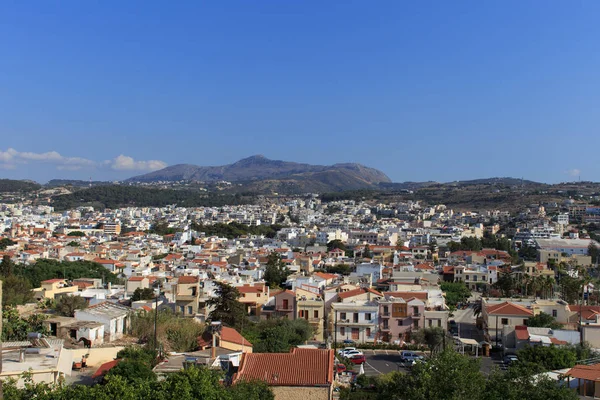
176	333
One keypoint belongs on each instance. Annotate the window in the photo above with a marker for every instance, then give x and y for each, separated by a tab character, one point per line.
342	331
385	310
316	314
182	309
399	322
368	316
190	310
385	324
285	304
475	278
430	322
439	322
555	313
355	333
368	332
504	321
416	324
301	313
343	315
415	310
524	322
355	319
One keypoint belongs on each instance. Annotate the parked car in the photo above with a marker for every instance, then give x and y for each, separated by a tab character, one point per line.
341	352
357	359
340	368
510	358
348	341
410	357
352	353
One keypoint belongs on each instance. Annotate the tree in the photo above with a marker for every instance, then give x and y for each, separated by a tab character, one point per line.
593	252
73	244
16	328
456	292
5	242
142	294
133	370
432	337
336	244
278	335
505	283
7	266
447	375
366	252
67	305
226	307
44	269
16	290
276	272
76	234
543	320
549	357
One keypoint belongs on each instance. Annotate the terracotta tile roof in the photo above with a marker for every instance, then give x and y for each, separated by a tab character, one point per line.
448	269
187	279
508	308
136	279
300	367
53	280
424	267
325	276
587	372
233	336
357	292
521	332
104	368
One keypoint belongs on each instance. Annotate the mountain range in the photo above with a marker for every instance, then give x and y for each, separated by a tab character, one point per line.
262	174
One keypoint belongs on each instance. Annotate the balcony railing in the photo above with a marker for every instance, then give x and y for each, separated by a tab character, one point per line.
284	309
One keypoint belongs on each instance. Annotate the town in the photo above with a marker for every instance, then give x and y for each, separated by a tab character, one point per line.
303	298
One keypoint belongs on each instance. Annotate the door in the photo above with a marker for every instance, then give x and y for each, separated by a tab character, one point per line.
355	333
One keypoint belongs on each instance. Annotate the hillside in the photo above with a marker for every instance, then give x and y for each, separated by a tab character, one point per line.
264	175
116	196
10	185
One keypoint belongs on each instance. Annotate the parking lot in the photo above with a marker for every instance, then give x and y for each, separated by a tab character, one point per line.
382	361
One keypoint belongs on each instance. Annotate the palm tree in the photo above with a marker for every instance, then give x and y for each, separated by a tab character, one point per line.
477	307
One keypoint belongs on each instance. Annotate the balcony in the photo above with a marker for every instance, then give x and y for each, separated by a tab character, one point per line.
186	297
284	309
385	314
417	315
385	328
348	322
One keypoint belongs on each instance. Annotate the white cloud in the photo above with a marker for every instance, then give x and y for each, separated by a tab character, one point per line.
123	163
10	158
574	172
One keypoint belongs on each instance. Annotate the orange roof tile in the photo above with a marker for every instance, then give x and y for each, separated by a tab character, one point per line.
508	308
300	367
187	279
104	368
587	372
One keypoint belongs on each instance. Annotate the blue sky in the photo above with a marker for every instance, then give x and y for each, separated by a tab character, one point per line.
428	90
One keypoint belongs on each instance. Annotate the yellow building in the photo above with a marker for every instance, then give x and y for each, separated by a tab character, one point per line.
53	289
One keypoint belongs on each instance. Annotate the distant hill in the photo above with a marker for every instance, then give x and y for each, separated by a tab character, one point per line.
496	181
116	196
10	185
75	183
258	173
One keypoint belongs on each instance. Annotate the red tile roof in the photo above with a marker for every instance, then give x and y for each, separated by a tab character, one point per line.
187	279
136	279
508	308
521	332
357	292
325	276
587	372
233	336
53	280
300	367
104	368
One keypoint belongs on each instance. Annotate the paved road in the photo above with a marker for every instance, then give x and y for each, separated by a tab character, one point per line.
382	362
466	324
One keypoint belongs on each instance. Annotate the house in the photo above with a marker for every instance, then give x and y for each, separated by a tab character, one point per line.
254	297
284	305
399	317
228	339
70	328
53	289
588	379
355	321
500	315
114	317
300	374
187	295
311	307
136	282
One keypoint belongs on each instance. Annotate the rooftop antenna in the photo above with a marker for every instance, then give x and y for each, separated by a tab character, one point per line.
90	181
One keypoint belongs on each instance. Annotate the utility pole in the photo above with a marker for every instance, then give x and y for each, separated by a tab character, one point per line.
581	316
335	331
156	318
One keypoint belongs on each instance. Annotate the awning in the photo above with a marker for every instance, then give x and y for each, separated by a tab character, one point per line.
469	342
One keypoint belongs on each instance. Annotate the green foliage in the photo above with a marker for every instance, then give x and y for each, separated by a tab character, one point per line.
505	283
45	269
176	333
5	242
276	272
142	294
226	307
10	186
336	244
139	353
16	328
543	320
448	375
162	228
570	288
456	292
76	234
235	229
593	252
432	337
116	196
73	244
549	357
343	269
528	253
278	335
67	305
132	370
7	266
16	290
122	384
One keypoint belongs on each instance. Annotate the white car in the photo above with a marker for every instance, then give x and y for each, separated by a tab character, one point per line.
352	353
345	350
